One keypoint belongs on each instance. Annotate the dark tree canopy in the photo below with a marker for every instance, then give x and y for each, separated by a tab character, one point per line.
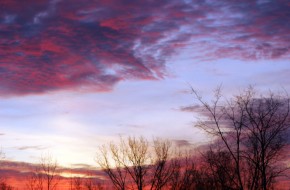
253	129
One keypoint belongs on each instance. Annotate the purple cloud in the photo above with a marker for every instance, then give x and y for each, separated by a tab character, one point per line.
52	45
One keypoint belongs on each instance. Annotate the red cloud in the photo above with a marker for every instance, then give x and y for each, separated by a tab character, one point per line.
17	174
62	44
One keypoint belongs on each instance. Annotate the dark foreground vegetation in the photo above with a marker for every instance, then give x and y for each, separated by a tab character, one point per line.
248	151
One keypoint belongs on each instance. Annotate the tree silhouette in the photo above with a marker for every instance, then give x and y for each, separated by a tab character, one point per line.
130	157
253	129
184	172
130	164
45	175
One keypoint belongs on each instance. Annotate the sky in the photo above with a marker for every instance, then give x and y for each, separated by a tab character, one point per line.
77	74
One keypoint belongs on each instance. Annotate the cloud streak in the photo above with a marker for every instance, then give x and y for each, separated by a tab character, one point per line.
17	173
52	45
31	147
24	168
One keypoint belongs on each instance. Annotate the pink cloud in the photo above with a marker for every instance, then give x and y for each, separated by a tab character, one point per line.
54	45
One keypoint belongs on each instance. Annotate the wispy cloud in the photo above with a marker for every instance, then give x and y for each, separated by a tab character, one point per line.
182	143
192	108
31	147
23	168
53	45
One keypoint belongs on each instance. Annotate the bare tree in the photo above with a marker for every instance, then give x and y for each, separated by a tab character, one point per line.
135	166
184	172
35	180
85	183
162	166
215	122
45	175
3	183
267	123
5	186
110	160
91	183
220	168
76	183
252	129
48	167
155	169
136	160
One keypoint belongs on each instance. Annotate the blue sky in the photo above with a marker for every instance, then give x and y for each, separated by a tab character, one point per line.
69	122
75	75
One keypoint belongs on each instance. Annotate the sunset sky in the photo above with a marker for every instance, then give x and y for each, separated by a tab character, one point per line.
77	74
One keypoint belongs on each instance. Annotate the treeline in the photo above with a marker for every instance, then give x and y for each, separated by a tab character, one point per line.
248	151
251	134
134	164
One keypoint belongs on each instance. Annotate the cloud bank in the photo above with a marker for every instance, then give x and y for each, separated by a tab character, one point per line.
49	45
